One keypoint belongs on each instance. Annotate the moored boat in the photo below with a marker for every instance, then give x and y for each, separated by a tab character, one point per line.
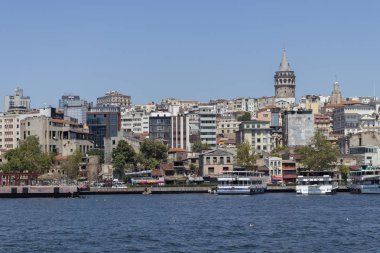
241	182
366	180
316	182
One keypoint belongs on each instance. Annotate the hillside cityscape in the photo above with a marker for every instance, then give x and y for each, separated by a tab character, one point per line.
201	138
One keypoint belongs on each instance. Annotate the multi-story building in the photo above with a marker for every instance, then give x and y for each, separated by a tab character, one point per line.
18	100
244	105
289	171
180	132
207	125
74	107
135	120
214	162
347	119
160	127
297	127
9	131
227	128
57	135
103	122
193	125
114	98
323	124
10	125
370	154
311	102
274	165
257	133
183	105
263	102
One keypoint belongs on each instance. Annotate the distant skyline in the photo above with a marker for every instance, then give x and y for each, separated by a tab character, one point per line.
198	50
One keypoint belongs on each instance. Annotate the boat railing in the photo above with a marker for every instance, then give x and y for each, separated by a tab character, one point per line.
314	178
237	174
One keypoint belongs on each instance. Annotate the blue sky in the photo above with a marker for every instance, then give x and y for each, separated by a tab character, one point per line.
198	49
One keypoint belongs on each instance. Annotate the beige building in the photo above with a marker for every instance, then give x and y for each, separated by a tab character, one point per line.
228	128
214	162
56	135
10	129
114	98
257	133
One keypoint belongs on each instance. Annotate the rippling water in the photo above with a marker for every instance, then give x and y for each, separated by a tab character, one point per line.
270	222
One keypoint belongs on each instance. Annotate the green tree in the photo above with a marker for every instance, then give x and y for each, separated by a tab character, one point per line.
344	171
123	155
97	152
245	156
245	117
72	164
319	155
28	156
199	146
152	153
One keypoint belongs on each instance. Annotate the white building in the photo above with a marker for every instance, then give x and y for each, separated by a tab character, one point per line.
17	100
135	120
207	125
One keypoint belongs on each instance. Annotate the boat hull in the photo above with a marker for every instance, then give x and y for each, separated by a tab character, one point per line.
365	189
238	191
315	189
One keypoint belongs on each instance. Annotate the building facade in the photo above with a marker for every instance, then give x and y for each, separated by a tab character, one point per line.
207	125
56	135
298	127
160	127
18	100
103	122
180	132
135	120
257	133
114	98
214	162
347	119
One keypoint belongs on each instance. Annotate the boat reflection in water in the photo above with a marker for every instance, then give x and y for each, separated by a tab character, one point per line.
241	182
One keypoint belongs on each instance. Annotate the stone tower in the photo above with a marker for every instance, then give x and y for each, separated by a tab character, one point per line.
336	95
285	82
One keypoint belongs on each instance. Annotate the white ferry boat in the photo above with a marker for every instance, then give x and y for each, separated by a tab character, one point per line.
319	183
365	180
241	182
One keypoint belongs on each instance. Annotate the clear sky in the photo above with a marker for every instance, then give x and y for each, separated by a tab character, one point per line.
194	49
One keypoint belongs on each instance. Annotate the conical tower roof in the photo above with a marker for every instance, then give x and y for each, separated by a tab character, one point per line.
284	65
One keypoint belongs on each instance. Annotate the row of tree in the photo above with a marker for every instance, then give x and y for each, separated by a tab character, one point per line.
151	154
319	155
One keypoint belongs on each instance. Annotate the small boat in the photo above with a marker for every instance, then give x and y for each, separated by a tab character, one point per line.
316	182
365	180
241	182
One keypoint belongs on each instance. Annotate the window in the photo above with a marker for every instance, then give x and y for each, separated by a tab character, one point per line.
228	159
225	169
211	170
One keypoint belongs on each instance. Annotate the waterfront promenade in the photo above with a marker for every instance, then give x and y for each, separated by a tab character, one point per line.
179	189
